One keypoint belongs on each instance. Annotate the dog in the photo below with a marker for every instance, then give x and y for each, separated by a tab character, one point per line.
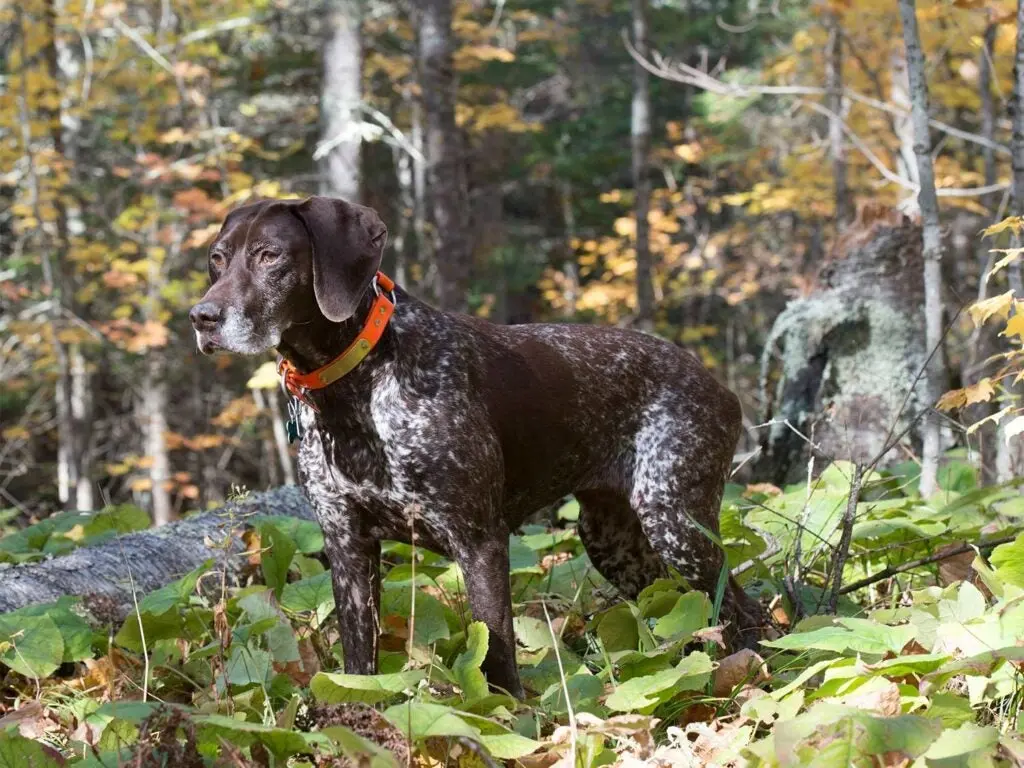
452	430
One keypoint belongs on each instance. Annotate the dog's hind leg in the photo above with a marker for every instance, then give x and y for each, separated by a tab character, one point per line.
616	543
678	480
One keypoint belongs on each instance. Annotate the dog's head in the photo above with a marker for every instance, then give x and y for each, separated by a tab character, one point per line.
276	263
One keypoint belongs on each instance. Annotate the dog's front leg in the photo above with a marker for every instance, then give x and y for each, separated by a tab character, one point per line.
355	575
486	570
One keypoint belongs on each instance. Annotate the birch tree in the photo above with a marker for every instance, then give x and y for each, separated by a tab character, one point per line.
340	101
640	136
928	203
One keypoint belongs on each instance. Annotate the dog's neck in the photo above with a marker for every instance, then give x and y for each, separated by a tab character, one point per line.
316	343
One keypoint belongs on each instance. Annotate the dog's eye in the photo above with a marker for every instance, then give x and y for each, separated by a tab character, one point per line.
217	259
268	256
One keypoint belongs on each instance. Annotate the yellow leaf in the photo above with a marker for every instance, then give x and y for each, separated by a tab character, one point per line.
1015	325
995	418
956	398
265	377
15	433
625	226
1012	254
997	305
690	153
1013	223
77	533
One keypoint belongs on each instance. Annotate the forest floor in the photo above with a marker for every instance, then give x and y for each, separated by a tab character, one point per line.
922	662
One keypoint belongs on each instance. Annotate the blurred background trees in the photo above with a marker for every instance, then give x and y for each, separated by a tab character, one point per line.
511	146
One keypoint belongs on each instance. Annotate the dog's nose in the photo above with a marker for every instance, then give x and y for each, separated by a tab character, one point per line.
205	315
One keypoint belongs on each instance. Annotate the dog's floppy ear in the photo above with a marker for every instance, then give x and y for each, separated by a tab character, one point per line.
347	243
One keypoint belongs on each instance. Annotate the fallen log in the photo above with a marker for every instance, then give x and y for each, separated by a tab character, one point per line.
105	574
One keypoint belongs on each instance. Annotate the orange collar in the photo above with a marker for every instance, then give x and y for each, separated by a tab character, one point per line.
380	313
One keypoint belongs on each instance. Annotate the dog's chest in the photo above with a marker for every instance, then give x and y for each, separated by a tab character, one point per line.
367	462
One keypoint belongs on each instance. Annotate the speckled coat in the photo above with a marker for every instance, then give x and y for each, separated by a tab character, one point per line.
454	430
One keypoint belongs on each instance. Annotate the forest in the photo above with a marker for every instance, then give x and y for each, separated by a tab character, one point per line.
823	200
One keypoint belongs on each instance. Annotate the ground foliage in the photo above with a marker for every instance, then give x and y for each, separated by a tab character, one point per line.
923	667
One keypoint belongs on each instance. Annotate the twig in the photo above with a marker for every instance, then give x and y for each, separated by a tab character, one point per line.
842	552
892	570
565	687
142	632
144	46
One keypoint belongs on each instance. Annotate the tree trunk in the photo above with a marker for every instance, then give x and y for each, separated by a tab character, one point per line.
154	423
983	342
445	173
838	366
640	137
155	557
834	84
341	99
928	202
1010	453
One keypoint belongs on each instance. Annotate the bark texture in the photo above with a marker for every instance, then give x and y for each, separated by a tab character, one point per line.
100	574
341	99
446	177
640	136
839	364
928	202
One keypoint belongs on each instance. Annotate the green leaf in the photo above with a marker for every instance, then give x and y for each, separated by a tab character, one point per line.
176	593
339	688
73	628
950	709
419	720
431	624
617	629
1008	560
18	752
965	747
851	636
467	665
520	555
582	688
305	534
280	637
248	665
276	558
313	594
280	741
508	746
643	694
691	613
36	644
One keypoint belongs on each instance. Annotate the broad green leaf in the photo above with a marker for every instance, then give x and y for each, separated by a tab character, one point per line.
36	645
467	666
965	746
74	630
617	628
18	752
1008	560
431	624
508	746
248	665
950	709
691	613
305	534
338	688
850	636
520	555
420	720
313	594
582	688
642	694
276	558
532	634
279	635
280	741
176	593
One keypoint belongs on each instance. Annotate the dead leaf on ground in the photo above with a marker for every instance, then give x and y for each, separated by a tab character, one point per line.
744	666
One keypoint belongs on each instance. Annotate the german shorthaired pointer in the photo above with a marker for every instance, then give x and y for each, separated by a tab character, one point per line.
467	426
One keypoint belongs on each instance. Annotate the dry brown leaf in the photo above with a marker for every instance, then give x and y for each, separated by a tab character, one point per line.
744	666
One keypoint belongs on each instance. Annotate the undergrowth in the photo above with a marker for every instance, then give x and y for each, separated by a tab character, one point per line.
920	665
